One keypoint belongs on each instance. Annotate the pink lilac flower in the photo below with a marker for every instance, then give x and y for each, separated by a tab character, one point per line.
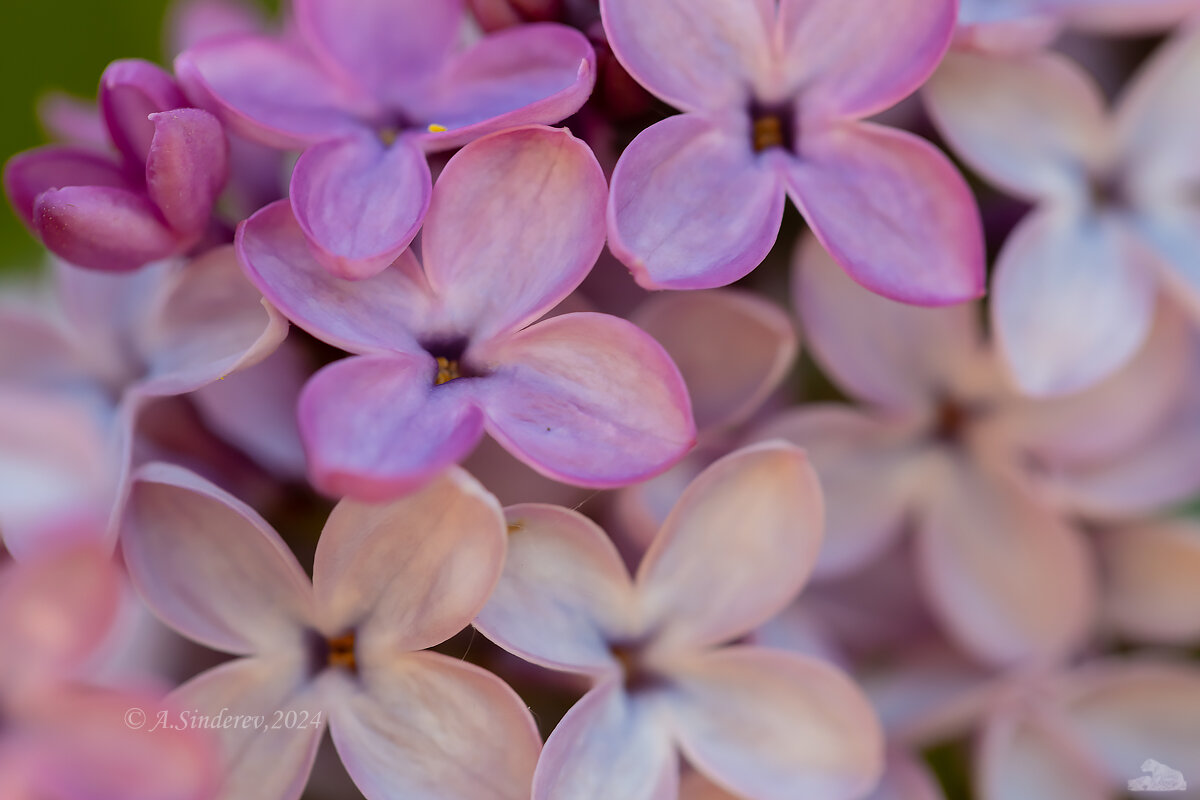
152	199
904	778
773	99
61	739
346	650
1077	283
1152	580
666	680
367	95
942	444
114	344
446	350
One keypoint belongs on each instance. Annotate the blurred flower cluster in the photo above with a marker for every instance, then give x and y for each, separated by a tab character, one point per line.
438	400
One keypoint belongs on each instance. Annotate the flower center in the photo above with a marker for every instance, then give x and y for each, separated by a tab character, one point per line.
341	652
447	370
1106	191
637	674
771	126
951	419
450	362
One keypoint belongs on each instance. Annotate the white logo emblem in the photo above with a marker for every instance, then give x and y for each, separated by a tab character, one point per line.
1161	778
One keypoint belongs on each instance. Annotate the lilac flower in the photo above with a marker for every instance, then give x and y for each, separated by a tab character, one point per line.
444	351
765	723
1077	283
153	199
1152	579
345	650
904	778
772	100
367	94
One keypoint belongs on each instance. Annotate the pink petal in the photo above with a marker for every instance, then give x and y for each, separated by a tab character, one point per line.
732	348
1033	125
883	352
608	745
587	399
186	167
536	73
35	349
858	59
130	91
1129	18
1021	757
101	227
210	567
776	726
190	22
429	726
1169	229
72	120
1073	300
376	427
291	102
906	778
28	174
384	43
1152	571
413	572
714	572
374	315
516	222
360	203
691	207
565	596
1011	581
699	54
893	211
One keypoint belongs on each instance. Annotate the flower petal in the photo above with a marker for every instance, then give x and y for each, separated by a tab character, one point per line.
374	315
565	595
1073	300
28	174
690	207
191	22
858	59
775	725
186	167
376	427
102	227
608	745
210	567
893	211
732	348
906	778
130	91
587	399
695	54
360	203
1152	588
428	727
701	583
1024	756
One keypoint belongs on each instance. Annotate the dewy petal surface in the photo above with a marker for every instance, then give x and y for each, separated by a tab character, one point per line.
210	566
587	399
565	595
891	209
411	573
516	223
775	726
102	227
186	167
736	549
691	207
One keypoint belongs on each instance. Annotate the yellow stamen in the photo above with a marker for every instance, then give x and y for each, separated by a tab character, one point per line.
513	527
388	136
447	371
341	652
435	128
768	133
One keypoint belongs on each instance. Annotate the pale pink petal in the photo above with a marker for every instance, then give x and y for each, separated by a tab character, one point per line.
1032	125
698	54
28	174
737	547
1011	32
513	481
425	726
880	351
375	315
411	573
130	91
608	745
516	222
102	227
857	59
209	566
186	167
190	22
376	427
892	210
1152	580
35	350
1026	756
732	348
774	725
691	207
587	399
1169	226
906	778
1073	300
695	786
565	596
1010	580
360	202
1129	18
72	120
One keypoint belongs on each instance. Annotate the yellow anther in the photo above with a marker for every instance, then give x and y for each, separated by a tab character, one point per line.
435	128
341	652
513	527
388	136
768	133
447	371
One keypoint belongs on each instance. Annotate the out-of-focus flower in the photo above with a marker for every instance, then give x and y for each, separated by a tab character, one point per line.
344	650
151	200
444	350
1013	26
1076	283
367	94
735	550
773	99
